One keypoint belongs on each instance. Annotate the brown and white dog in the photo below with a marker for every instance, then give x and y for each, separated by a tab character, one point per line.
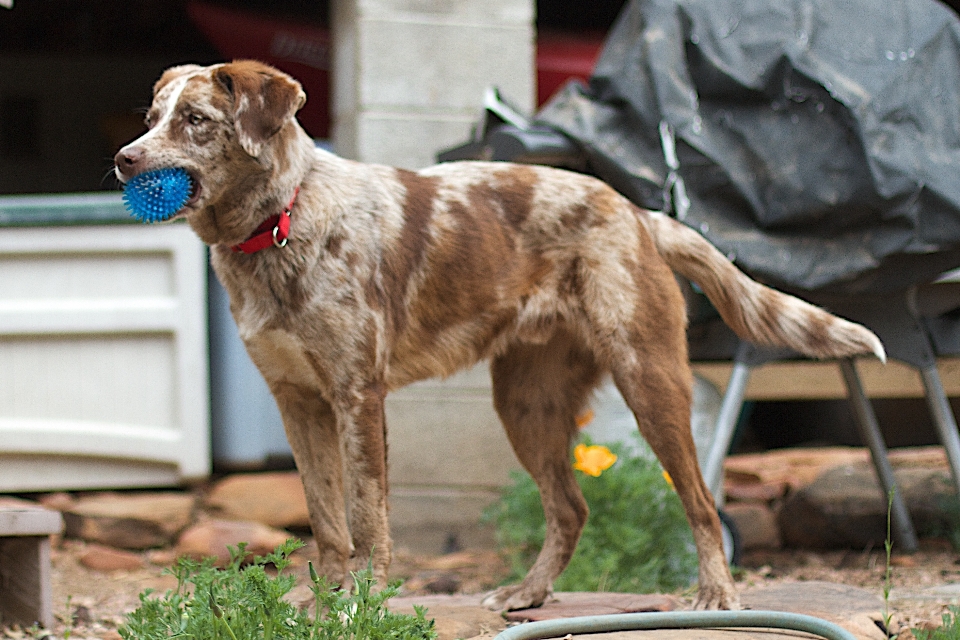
390	276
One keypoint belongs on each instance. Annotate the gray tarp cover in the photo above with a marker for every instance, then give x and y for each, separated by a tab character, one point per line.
819	141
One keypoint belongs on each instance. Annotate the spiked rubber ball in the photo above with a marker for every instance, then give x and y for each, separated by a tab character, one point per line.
154	196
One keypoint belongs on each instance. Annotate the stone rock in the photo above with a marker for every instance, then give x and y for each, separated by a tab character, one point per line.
129	521
443	583
754	491
785	470
788	470
903	561
107	559
460	616
756	524
82	616
162	557
933	457
942	593
846	508
855	609
434	582
212	537
571	605
59	501
275	499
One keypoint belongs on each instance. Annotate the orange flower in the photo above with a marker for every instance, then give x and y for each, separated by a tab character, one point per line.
593	460
666	476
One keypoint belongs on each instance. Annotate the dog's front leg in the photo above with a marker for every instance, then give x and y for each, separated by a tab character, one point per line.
365	449
313	433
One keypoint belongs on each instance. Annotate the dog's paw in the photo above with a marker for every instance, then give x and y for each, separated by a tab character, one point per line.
517	596
717	597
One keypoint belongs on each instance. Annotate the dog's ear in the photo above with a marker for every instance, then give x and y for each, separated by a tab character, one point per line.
263	100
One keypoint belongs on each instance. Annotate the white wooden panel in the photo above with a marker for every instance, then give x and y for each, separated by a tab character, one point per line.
103	357
29	276
123	380
106	315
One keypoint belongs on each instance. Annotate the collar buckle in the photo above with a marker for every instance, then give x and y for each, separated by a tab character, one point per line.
280	240
272	231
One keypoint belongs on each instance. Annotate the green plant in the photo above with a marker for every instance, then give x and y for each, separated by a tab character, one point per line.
888	570
246	603
949	630
68	620
636	539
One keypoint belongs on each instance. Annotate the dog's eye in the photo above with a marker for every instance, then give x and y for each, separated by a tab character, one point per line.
195	119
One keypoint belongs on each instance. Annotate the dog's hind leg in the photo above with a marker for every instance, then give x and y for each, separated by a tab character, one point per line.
538	391
636	316
313	435
656	384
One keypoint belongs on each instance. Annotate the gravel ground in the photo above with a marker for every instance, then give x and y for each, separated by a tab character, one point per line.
90	604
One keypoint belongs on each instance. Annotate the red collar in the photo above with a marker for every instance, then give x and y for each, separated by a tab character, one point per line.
272	231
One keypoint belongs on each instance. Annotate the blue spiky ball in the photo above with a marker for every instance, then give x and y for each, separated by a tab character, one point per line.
154	196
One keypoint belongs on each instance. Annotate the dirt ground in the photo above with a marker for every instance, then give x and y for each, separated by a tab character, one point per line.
90	604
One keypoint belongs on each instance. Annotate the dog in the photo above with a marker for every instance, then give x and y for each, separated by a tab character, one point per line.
348	280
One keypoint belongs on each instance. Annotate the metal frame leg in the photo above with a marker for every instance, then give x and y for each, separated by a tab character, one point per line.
725	426
943	419
869	429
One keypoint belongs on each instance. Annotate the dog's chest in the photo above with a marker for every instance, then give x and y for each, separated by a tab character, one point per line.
282	358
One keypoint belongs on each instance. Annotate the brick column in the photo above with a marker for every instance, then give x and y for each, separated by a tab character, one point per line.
409	75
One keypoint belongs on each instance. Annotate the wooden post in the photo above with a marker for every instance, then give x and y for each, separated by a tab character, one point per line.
25	587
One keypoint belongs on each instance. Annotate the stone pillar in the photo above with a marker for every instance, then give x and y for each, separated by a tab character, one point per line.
409	75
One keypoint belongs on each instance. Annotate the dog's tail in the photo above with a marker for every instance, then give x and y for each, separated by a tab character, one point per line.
756	312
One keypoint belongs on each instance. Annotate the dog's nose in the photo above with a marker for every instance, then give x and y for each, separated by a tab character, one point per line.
128	160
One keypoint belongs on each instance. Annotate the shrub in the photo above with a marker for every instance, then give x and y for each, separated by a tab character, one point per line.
636	539
246	602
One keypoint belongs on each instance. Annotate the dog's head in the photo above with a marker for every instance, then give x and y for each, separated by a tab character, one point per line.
232	127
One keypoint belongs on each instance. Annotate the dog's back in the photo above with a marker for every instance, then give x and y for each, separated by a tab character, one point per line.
491	253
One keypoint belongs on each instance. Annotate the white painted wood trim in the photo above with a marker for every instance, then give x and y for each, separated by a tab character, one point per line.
97	439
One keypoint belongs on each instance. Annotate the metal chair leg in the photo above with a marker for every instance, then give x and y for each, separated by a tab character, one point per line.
726	424
903	532
943	419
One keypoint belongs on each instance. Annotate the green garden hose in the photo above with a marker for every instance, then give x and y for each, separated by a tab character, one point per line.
675	620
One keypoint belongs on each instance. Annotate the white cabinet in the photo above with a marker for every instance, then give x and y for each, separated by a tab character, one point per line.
103	347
